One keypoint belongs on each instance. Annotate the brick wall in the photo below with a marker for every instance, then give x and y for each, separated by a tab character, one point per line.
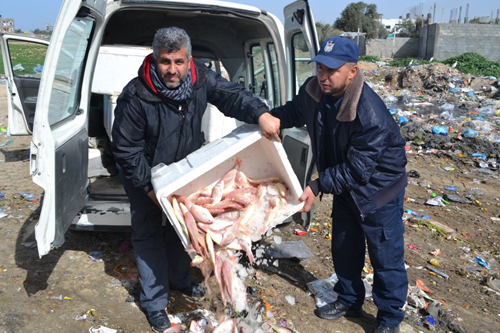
393	48
446	40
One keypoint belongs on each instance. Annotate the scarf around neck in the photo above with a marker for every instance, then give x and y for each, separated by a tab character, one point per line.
179	94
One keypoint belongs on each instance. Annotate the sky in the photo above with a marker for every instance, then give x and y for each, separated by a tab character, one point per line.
35	14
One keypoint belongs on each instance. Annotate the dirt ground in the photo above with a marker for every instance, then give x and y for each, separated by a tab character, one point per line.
93	274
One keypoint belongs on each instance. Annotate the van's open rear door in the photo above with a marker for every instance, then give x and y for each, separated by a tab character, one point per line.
301	44
59	149
22	79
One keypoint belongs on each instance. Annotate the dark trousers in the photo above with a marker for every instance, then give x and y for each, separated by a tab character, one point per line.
161	260
382	232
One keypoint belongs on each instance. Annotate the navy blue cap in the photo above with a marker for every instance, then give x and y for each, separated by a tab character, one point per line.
336	51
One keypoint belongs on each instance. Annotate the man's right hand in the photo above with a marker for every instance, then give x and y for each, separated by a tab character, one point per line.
152	196
308	198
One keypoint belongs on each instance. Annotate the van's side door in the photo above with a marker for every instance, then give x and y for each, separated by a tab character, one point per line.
301	45
23	60
59	148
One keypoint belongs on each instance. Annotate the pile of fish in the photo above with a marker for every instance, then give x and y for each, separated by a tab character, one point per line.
221	219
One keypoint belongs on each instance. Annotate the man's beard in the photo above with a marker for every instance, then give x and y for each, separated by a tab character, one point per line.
337	90
175	85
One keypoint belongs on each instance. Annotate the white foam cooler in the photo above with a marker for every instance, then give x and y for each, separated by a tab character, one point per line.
260	158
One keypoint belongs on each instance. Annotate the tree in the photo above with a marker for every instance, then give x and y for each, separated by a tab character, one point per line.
42	32
411	28
325	30
362	16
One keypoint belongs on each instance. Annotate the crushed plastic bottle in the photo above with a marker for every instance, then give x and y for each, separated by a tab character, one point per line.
38	68
18	67
446	115
390	99
447	106
485	111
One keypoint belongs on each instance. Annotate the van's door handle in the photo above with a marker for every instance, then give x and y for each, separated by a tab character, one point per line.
33	159
303	157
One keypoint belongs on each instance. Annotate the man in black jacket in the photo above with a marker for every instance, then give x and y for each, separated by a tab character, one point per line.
360	156
158	120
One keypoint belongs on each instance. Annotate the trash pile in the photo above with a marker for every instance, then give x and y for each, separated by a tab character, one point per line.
442	109
454	115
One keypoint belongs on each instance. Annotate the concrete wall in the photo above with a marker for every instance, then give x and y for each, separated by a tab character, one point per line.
393	48
446	40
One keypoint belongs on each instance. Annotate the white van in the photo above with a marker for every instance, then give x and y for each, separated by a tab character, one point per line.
95	49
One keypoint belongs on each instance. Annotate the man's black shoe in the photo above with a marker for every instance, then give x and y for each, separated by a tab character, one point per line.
337	310
385	329
194	290
159	320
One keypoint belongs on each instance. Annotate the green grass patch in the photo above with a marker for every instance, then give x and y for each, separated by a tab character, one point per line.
469	63
369	58
26	55
406	62
428	224
473	63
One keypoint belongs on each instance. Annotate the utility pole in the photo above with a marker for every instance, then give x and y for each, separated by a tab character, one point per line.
434	14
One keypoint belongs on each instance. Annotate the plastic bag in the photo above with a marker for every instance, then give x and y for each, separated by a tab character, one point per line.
441	130
470	133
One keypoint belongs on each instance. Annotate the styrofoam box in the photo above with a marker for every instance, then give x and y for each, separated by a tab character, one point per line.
116	66
261	158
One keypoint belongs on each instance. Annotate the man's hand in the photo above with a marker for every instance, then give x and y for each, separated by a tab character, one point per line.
152	196
308	197
270	126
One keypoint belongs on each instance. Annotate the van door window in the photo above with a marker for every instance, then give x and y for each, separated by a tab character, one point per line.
301	58
26	58
259	84
70	65
275	79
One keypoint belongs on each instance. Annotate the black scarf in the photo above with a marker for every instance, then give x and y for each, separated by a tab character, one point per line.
179	94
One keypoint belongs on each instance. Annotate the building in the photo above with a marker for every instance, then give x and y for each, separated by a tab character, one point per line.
7	25
391	24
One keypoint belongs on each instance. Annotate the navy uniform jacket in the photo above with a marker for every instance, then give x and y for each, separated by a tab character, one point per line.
365	157
149	129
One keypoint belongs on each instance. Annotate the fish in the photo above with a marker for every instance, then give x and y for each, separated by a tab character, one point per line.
227	326
218	277
191	227
278	329
226	217
179	215
201	214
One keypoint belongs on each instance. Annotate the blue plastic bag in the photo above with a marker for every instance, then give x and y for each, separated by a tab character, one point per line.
441	130
402	120
482	157
469	133
482	262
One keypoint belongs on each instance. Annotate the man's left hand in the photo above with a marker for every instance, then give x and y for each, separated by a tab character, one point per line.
270	126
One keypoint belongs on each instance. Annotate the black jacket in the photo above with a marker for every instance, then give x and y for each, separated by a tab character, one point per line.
149	129
367	148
